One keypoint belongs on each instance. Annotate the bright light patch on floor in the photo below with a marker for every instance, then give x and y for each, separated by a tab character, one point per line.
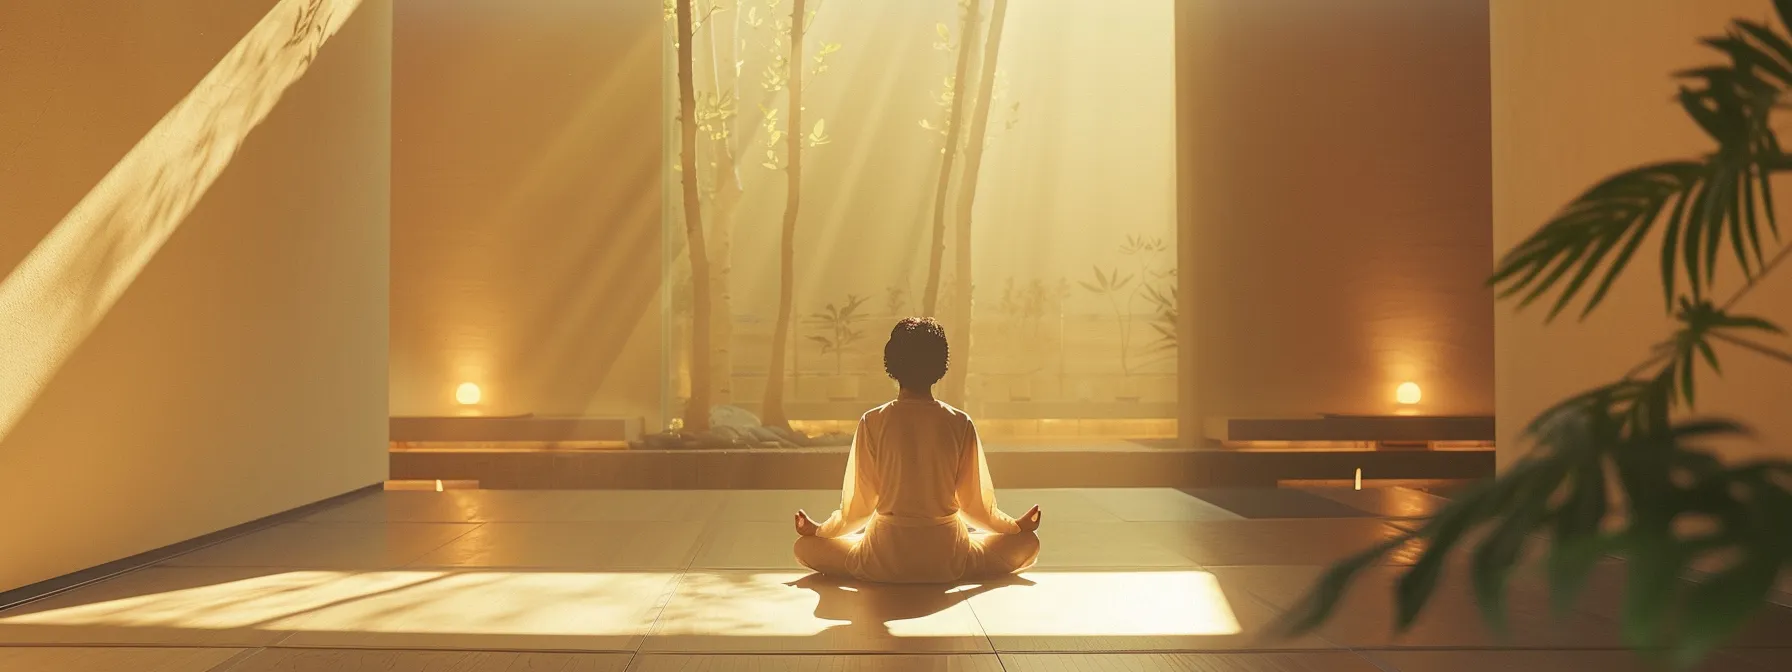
254	602
430	608
412	602
1109	604
61	290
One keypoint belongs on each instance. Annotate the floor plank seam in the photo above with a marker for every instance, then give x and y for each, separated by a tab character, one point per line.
412	564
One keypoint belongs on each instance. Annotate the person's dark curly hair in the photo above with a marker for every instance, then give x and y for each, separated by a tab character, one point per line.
917	354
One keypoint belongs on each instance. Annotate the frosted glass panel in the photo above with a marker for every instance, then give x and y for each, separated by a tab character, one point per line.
1068	314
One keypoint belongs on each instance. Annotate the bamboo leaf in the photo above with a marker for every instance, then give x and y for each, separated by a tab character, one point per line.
1717	213
1735	217
1766	187
1669	244
1623	260
1710	357
1746	55
1683	364
1608	214
1693	235
1751	224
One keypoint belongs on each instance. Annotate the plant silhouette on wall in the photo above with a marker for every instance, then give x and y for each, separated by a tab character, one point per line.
1163	317
1112	285
1160	302
838	325
895	299
1025	308
1616	469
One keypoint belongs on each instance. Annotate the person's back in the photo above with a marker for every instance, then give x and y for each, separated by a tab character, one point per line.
918	444
916	475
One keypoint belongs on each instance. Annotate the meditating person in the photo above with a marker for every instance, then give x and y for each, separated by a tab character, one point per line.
916	481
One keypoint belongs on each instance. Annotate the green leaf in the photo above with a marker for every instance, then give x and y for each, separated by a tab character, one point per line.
1722	603
1669	243
1317	604
1746	55
1684	365
1619	210
1781	50
1766	189
1717	213
1751	224
1693	233
1416	585
1710	357
1783	8
1578	544
1493	561
1652	583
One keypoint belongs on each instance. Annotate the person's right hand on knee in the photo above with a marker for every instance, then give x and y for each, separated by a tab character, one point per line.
806	526
1029	521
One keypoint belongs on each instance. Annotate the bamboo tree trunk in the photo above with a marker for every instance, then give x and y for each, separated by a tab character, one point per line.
958	376
773	409
967	43
696	412
727	197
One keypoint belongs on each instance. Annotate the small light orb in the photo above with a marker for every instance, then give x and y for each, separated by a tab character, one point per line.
1407	393
467	394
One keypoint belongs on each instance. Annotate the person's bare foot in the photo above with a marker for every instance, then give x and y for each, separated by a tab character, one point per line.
1029	521
805	525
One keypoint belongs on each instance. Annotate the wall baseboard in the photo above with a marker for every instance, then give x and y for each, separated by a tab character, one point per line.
42	589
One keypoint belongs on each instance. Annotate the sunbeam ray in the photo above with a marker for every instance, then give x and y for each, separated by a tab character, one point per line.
53	299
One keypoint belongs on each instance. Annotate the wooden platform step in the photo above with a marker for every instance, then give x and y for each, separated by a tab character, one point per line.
1056	466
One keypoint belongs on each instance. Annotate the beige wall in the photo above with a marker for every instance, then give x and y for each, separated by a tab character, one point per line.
526	206
1582	90
242	372
1334	204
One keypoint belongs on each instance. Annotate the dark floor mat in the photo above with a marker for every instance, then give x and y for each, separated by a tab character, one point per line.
1276	503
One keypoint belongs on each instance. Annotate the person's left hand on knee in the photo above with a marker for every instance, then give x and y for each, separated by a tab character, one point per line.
1030	520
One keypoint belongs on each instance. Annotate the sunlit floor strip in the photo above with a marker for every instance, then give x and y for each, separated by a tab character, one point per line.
62	289
428	608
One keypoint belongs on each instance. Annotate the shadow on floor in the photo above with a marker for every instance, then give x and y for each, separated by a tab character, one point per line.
868	608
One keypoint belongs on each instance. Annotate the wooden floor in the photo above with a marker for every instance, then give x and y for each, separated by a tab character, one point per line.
1130	580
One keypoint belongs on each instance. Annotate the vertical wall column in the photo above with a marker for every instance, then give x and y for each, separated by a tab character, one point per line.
1334	206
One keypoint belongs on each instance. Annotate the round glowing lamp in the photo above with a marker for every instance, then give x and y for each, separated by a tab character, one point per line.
1407	393
467	394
